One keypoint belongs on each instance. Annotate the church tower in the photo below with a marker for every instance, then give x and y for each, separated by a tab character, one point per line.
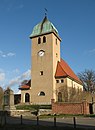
49	72
45	56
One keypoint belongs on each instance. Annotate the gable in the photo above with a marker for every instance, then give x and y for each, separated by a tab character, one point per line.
63	70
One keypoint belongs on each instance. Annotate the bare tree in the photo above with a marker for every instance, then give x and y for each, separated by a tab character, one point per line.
88	79
24	82
64	92
71	94
1	97
76	94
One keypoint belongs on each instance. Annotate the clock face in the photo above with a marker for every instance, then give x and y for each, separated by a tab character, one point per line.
41	53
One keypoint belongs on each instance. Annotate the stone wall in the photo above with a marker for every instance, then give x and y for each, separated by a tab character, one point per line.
20	112
28	112
45	111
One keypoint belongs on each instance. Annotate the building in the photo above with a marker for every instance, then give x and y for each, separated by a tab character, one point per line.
48	70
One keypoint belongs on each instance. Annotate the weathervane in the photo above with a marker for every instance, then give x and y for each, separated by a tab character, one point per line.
46	11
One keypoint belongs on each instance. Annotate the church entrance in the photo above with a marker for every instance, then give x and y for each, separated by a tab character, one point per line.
27	97
91	108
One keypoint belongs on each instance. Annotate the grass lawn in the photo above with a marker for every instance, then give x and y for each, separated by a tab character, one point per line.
32	107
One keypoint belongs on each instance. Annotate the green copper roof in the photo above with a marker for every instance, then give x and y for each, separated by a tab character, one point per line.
43	27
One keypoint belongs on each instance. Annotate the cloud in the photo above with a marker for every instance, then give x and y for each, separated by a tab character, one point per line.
1	70
11	54
1	52
20	6
92	51
10	5
14	82
2	76
16	71
19	79
89	52
26	74
4	55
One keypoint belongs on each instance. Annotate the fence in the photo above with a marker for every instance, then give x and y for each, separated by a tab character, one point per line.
8	120
53	122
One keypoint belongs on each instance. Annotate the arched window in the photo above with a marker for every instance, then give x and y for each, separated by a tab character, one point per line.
39	40
62	81
44	39
41	93
27	97
59	97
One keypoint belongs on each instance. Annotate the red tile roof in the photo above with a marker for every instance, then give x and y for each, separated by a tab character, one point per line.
24	87
63	70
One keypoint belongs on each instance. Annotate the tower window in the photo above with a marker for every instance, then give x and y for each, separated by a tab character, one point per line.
44	39
41	72
41	93
56	41
56	55
62	81
57	81
39	40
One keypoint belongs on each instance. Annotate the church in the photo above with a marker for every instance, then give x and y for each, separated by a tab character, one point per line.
48	71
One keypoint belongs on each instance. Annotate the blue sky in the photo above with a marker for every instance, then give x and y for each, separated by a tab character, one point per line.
74	20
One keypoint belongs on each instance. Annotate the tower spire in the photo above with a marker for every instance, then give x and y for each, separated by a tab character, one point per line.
46	12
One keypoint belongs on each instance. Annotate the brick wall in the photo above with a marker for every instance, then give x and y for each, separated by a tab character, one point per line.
70	108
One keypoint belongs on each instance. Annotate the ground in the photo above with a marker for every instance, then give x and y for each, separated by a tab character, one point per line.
66	123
